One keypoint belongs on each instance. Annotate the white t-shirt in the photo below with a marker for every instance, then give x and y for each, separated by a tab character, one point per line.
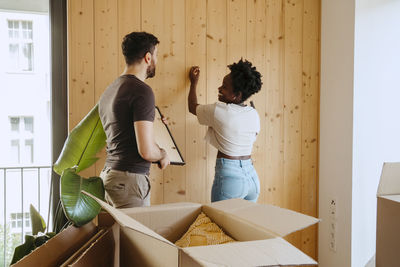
232	128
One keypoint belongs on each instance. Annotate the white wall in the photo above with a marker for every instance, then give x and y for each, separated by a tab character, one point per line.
26	93
336	128
25	5
376	113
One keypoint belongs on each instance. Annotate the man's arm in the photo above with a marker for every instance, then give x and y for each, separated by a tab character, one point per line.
194	74
147	147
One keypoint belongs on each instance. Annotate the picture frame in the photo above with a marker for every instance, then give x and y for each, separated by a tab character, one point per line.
165	140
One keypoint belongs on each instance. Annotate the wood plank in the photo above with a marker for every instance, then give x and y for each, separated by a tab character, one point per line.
105	54
293	109
256	53
275	82
309	131
236	30
173	101
152	20
129	20
80	62
195	155
216	70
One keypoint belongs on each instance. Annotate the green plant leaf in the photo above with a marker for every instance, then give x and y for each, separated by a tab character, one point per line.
80	208
41	239
37	222
60	221
24	249
30	244
82	144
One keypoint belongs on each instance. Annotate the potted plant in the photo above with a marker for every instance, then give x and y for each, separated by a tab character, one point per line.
79	152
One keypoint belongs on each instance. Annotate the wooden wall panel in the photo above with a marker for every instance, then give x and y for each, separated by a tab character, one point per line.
256	35
215	70
153	21
274	80
196	149
310	119
293	108
173	99
129	20
280	37
81	46
105	52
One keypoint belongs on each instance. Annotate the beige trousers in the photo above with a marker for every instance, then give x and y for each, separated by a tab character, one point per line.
126	189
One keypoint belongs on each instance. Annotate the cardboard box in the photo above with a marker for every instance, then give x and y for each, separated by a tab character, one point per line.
145	237
147	234
388	217
89	245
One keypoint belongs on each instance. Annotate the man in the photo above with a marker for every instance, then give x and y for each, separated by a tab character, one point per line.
127	110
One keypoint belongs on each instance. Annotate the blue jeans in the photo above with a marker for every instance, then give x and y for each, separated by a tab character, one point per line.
235	179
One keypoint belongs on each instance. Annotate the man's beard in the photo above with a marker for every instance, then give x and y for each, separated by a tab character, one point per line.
151	70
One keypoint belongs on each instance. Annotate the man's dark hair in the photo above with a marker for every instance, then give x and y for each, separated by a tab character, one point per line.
135	45
245	78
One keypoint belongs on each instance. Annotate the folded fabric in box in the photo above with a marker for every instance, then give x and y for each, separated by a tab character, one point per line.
203	232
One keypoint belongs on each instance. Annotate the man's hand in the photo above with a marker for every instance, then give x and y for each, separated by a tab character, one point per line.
164	161
164	120
194	74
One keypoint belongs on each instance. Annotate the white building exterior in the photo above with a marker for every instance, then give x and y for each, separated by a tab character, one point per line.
25	138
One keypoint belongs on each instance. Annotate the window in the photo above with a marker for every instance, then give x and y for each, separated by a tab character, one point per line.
20	47
17	221
14	124
22	141
15	157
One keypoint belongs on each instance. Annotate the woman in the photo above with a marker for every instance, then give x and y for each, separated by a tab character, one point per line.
232	129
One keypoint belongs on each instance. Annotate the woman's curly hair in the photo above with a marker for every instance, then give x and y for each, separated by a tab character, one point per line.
245	78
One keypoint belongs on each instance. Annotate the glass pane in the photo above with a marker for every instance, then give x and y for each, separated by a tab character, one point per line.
13	53
14	153
19	224
10	24
13	216
28	152
14	121
16	28
27	58
28	124
27	29
19	215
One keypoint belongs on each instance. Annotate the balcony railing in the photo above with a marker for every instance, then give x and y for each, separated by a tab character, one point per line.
20	187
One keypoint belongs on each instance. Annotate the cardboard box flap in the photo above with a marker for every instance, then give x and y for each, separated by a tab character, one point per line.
394	198
128	222
390	179
267	252
274	219
56	250
162	207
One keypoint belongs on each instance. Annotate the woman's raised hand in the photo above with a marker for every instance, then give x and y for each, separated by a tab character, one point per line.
194	74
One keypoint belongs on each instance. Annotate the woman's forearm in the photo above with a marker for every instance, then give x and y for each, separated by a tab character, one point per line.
192	98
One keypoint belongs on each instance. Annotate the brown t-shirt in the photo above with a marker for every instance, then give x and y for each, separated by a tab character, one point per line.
125	101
